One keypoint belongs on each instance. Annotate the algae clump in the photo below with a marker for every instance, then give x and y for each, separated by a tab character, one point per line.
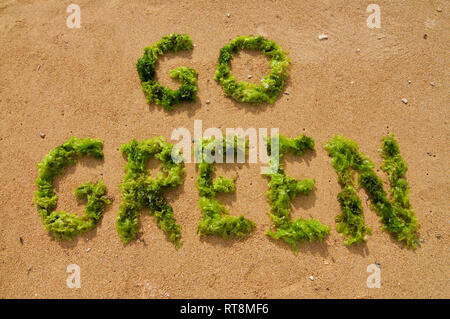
396	215
215	219
271	85
61	224
283	190
154	91
140	190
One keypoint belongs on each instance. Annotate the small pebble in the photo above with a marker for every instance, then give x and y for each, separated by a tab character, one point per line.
311	278
409	81
439	10
29	268
352	82
88	249
42	135
358	50
405	101
323	37
38	67
208	101
422	240
228	15
432	83
425	36
195	45
249	76
326	262
438	236
286	93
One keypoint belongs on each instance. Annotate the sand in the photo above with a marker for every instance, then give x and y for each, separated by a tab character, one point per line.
83	82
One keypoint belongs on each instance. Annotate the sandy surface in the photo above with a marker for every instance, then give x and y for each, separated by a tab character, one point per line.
83	82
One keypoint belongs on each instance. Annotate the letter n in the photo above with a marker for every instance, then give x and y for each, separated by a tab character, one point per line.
396	213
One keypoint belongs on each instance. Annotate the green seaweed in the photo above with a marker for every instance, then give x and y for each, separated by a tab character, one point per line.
140	190
283	190
60	224
215	219
397	215
245	92
154	91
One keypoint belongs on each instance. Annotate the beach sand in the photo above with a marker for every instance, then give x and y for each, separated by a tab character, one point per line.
83	82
